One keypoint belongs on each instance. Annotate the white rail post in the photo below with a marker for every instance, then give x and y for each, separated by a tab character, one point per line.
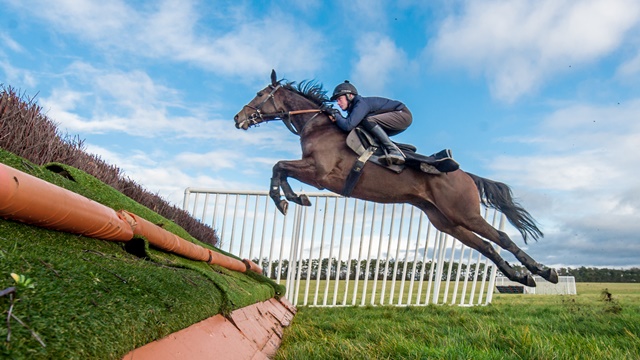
326	205
313	235
339	260
386	263
368	264
351	243
359	259
377	267
397	257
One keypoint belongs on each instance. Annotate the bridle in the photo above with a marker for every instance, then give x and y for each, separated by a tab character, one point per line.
258	116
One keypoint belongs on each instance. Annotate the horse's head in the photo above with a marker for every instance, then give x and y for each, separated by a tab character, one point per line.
264	107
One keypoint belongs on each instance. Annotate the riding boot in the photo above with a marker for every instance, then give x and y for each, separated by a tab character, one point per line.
393	154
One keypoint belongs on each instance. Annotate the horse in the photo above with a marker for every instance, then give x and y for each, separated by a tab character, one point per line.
450	200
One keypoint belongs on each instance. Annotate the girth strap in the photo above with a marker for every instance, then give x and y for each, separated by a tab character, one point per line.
356	171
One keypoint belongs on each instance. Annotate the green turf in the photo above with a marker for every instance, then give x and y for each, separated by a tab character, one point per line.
584	326
99	299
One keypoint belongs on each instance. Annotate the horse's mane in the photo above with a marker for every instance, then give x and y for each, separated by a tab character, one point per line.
310	89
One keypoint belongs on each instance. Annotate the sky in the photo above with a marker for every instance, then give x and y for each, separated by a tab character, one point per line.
543	95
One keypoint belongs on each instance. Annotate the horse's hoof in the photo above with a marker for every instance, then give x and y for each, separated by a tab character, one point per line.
304	200
550	275
529	281
283	206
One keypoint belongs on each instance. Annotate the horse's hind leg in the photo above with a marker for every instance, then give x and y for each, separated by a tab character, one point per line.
473	241
481	227
485	248
535	267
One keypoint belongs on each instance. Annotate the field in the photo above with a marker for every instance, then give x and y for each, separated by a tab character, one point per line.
601	322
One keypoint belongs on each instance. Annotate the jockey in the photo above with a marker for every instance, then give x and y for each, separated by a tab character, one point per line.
379	116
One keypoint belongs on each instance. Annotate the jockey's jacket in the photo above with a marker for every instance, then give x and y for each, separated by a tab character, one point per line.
362	107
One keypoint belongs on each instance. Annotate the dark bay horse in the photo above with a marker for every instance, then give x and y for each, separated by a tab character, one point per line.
451	201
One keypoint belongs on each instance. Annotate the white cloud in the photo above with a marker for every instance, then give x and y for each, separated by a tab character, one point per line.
12	74
369	12
518	45
630	69
168	176
581	183
584	147
15	75
129	102
378	60
553	172
223	159
10	43
250	47
91	19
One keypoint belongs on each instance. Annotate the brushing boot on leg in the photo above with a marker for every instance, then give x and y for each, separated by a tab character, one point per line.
393	154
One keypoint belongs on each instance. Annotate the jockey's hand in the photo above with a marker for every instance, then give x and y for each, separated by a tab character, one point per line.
326	107
329	110
333	114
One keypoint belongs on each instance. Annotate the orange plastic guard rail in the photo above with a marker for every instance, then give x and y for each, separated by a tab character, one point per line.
167	241
28	199
252	266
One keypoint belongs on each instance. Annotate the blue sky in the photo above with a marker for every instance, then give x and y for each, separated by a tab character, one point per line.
543	95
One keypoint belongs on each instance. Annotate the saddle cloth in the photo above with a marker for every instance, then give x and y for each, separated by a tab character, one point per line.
367	147
359	140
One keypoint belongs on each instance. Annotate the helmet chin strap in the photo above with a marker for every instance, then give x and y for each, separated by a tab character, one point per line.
349	99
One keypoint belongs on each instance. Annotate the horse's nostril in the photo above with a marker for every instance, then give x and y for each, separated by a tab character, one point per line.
235	118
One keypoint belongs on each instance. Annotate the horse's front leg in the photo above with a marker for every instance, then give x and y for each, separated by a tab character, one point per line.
274	194
302	170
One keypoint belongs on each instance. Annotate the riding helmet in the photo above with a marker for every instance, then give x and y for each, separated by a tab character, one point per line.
345	88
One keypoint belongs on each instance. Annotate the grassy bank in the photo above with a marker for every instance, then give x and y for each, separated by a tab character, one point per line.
83	298
590	325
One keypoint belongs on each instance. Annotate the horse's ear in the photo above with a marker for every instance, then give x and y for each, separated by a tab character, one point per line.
274	82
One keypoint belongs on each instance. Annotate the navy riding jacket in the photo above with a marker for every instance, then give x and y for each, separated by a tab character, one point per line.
362	107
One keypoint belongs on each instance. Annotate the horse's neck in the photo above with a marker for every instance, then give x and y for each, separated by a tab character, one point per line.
302	121
312	123
306	124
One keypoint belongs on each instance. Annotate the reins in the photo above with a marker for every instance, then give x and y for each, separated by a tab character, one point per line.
286	118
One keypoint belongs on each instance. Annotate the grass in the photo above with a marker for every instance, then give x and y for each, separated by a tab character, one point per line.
98	299
583	326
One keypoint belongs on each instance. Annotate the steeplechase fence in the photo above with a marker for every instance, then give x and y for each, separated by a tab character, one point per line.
348	252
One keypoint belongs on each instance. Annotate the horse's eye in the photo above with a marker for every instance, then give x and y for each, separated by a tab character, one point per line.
259	93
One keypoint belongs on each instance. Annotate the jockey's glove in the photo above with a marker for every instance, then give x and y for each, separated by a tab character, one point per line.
327	107
330	110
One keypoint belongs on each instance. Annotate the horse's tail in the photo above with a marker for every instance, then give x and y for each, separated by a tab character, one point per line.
499	196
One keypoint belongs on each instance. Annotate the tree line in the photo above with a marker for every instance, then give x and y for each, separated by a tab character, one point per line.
592	274
381	269
390	268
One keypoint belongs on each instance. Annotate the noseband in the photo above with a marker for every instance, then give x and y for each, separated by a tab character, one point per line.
258	116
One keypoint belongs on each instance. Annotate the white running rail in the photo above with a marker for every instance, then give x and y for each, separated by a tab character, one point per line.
345	252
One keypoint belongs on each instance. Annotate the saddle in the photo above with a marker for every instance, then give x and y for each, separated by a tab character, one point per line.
368	148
